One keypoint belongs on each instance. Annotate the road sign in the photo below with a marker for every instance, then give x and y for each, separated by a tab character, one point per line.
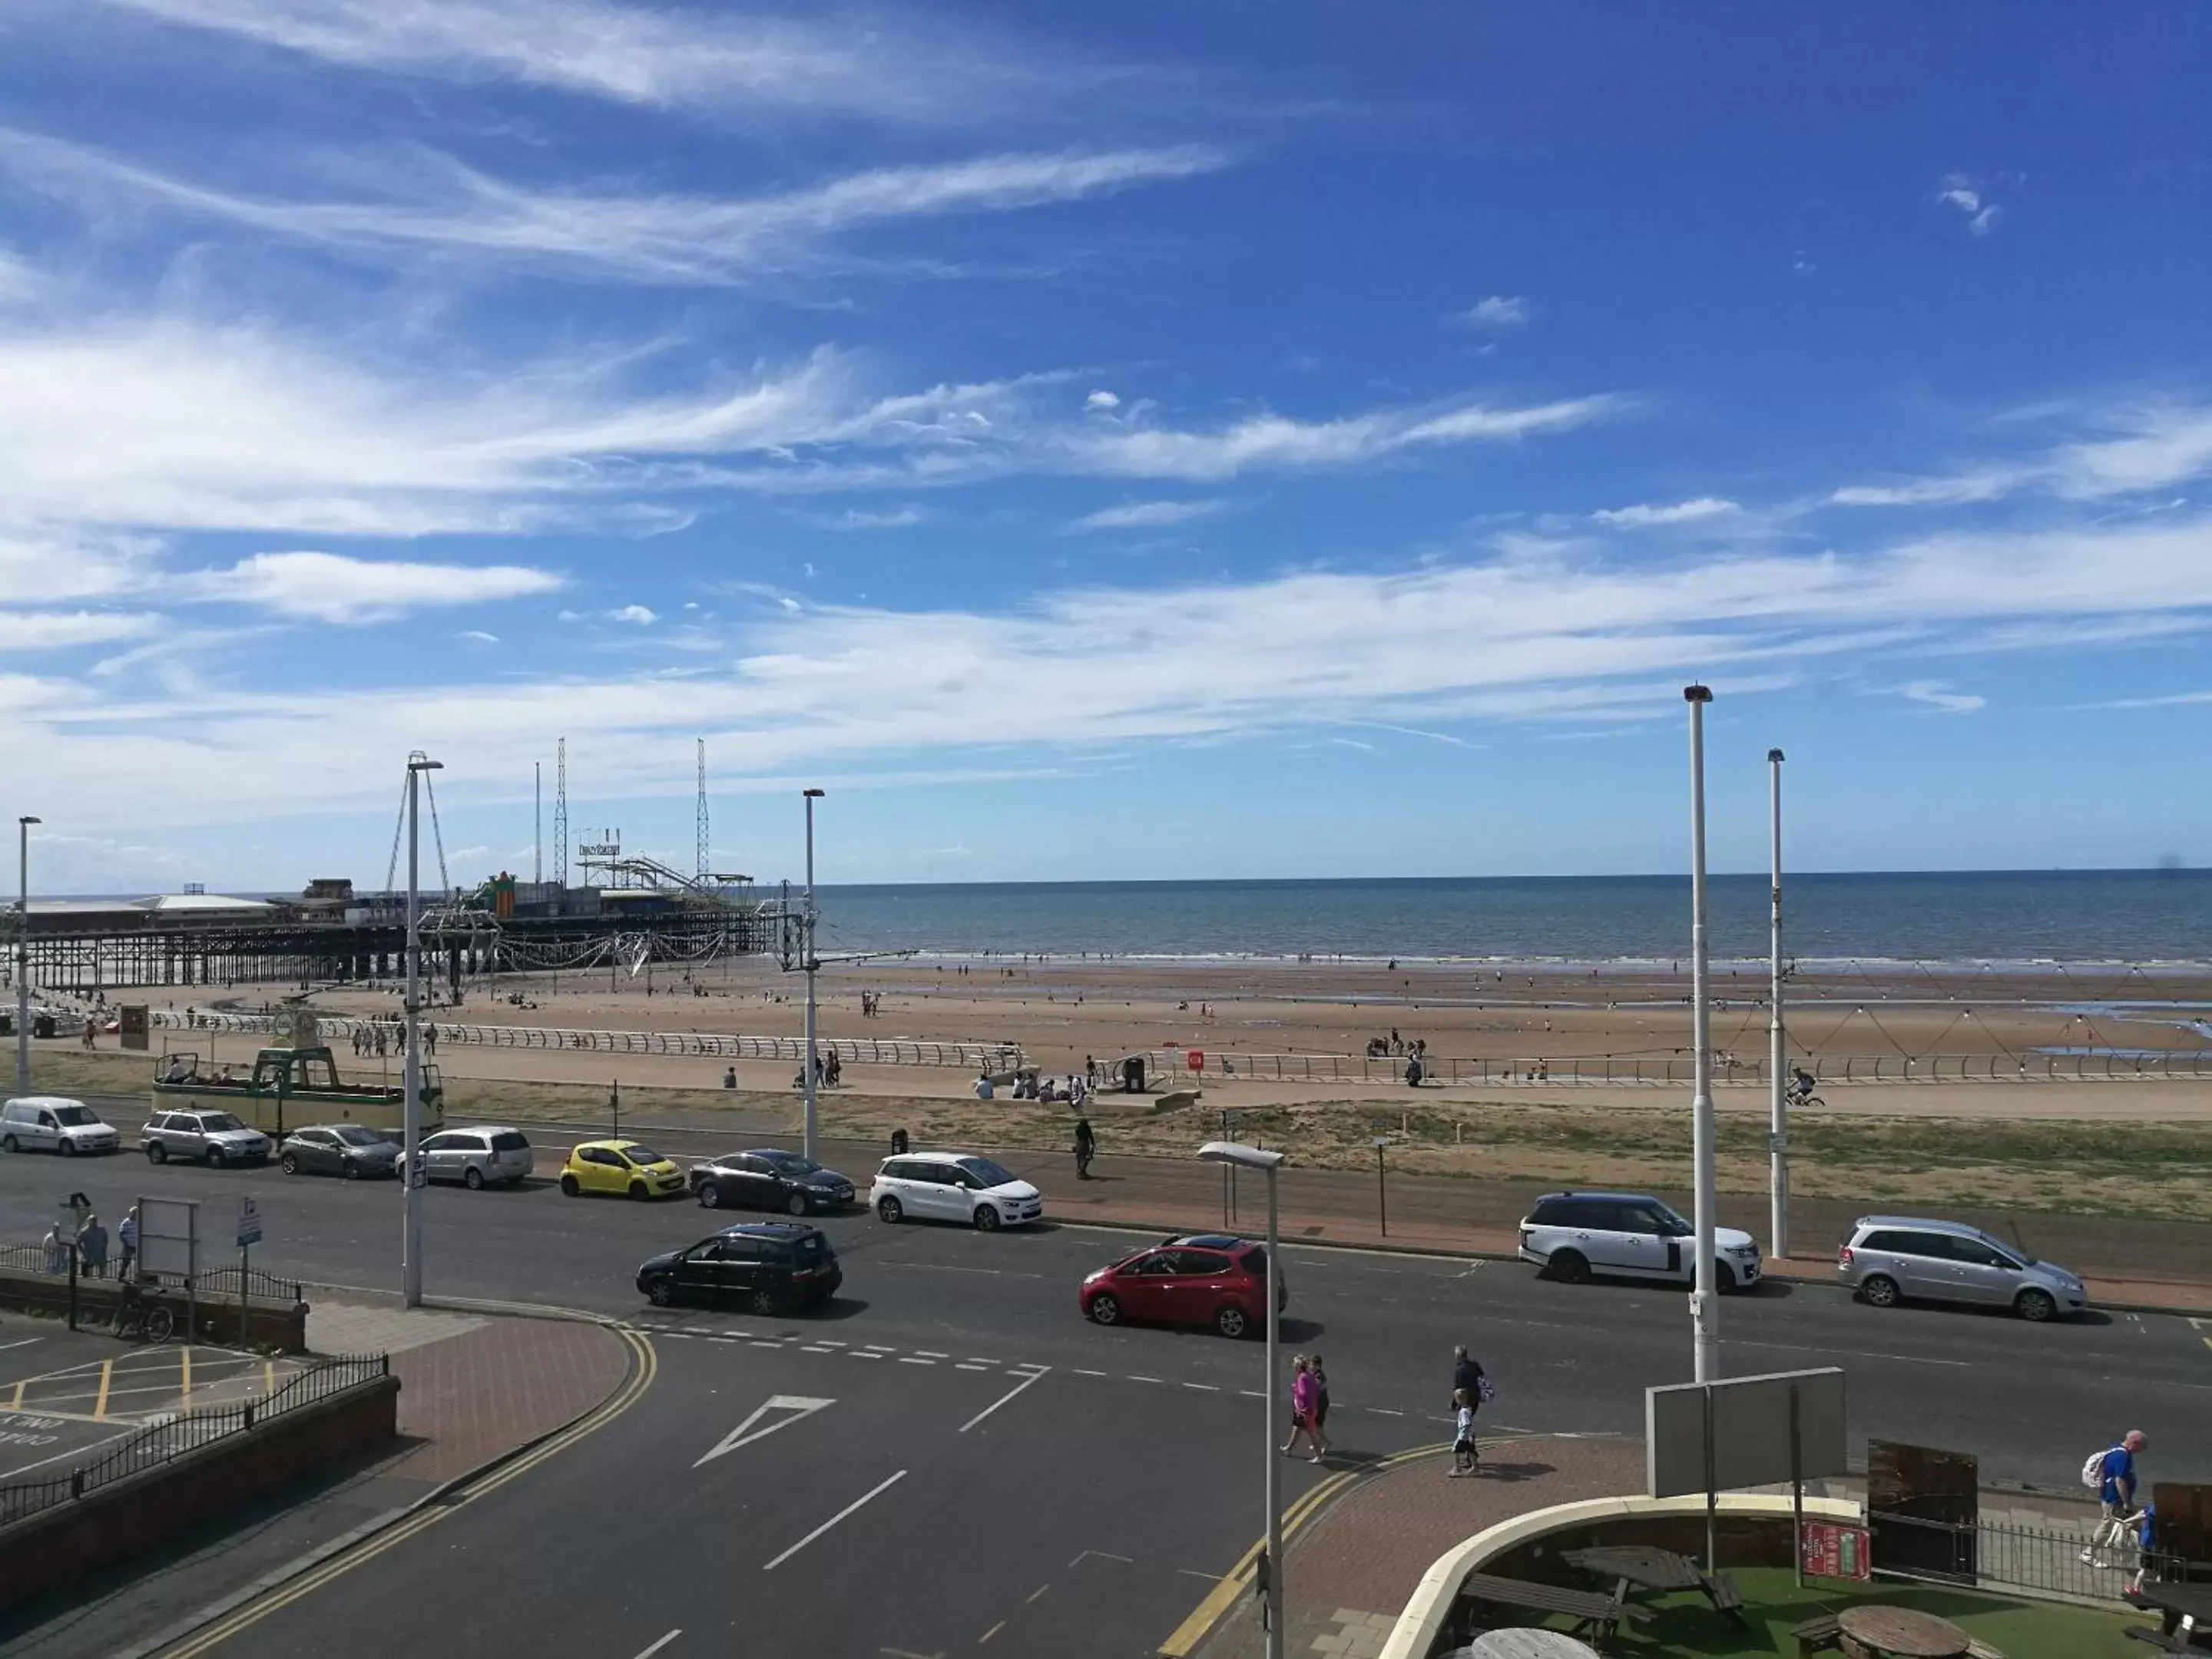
1830	1551
168	1237
793	1407
249	1222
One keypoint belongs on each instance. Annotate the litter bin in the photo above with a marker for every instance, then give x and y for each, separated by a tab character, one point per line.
1133	1075
42	1025
899	1143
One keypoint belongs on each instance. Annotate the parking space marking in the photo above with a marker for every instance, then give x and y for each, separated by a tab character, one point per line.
648	1653
1010	1395
989	1633
23	1342
849	1508
106	1376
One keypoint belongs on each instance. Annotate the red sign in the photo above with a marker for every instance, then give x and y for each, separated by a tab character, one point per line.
1836	1551
1195	1059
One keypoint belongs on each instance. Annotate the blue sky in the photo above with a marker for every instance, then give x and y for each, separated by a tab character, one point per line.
1128	441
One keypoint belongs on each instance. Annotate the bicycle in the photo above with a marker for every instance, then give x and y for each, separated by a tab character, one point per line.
147	1318
1798	1097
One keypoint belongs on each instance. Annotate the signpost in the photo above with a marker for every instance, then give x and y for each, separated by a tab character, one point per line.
75	1208
1787	1426
132	1026
249	1235
169	1245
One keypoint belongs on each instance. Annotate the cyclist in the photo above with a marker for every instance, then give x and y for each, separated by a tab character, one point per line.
1801	1085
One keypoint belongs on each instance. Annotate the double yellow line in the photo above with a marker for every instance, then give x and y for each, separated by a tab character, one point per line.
640	1378
1238	1580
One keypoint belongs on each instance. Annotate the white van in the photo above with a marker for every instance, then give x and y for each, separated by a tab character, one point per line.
54	1123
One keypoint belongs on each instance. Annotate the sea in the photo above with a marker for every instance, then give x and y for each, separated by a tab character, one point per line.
2119	917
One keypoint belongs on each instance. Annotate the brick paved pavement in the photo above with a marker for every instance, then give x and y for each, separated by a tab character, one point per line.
1350	1571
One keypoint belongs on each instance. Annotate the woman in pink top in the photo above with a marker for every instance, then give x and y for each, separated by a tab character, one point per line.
1305	1395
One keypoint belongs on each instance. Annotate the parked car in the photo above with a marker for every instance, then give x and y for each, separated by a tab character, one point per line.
765	1266
953	1187
477	1158
214	1138
1213	1280
768	1179
53	1123
1889	1258
350	1150
625	1168
1573	1236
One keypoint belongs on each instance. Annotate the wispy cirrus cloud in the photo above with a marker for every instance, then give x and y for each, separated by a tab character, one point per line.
2123	448
56	630
1145	515
1939	696
1646	514
437	205
334	587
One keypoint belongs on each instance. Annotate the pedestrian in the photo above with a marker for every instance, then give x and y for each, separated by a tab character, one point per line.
1302	1407
1321	1400
127	1235
1464	1453
91	1029
57	1251
92	1241
1467	1376
2115	1472
1086	1148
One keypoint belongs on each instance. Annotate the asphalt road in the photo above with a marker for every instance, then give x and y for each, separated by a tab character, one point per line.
1114	1475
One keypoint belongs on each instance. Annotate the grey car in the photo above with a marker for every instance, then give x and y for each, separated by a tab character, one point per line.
213	1138
1888	1259
350	1150
478	1157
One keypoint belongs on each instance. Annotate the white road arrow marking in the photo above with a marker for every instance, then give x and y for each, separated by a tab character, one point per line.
797	1407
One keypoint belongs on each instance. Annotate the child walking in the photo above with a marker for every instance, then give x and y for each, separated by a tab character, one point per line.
1464	1454
1303	1395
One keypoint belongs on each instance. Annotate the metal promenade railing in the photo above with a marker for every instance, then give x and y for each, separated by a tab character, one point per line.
2072	1566
1165	1064
708	1045
160	1442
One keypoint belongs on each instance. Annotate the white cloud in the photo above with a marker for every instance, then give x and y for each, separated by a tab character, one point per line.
55	630
479	637
709	58
1496	312
334	587
856	519
439	205
1102	400
1961	192
1985	485
1938	695
1647	514
1145	515
2126	449
637	615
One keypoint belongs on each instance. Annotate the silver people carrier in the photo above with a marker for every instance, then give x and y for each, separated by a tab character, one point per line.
51	1123
1888	1258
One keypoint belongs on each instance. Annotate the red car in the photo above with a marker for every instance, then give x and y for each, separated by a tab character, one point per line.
1212	1280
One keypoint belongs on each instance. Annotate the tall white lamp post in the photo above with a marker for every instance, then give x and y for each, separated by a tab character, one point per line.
410	1152
23	956
1777	1141
1257	1157
812	962
1704	1300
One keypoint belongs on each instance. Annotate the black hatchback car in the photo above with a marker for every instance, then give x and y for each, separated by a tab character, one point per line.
764	1267
767	1179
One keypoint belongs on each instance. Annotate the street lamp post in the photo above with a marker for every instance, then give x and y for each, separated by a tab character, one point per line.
1235	1154
812	795
1704	1301
1382	1185
411	1154
1777	1142
23	956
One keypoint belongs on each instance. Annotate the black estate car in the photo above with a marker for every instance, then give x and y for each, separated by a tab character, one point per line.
766	1179
764	1267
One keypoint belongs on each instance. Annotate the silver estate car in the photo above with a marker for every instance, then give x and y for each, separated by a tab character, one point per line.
1889	1258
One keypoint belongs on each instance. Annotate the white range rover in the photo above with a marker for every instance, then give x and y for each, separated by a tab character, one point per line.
1574	1235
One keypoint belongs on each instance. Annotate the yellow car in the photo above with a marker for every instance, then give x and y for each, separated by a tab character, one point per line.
620	1167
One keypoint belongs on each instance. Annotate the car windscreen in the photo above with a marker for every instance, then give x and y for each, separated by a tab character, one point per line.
790	1164
640	1155
990	1173
509	1140
215	1123
354	1135
74	1117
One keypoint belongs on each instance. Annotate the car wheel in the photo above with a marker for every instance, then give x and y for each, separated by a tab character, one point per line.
568	1186
2034	1306
1879	1291
1724	1278
157	1153
765	1302
1105	1309
987	1219
289	1164
891	1210
473	1179
9	1145
798	1204
1570	1267
710	1195
1230	1322
349	1170
638	1189
215	1157
660	1293
69	1149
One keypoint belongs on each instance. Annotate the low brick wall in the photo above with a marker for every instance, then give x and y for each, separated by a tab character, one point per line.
279	1325
118	1521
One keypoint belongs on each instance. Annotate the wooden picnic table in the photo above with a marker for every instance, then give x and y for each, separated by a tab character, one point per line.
1528	1645
1648	1567
1597	1613
1877	1630
2175	1602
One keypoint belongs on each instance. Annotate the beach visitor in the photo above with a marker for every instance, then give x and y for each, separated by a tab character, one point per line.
127	1236
91	1030
2116	1491
1464	1454
1466	1374
1302	1407
1086	1148
92	1241
982	1085
1321	1400
57	1251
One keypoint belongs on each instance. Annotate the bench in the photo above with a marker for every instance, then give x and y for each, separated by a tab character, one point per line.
1820	1635
2158	1639
1725	1596
1598	1614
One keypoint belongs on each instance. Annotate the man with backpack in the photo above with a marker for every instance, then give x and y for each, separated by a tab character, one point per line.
2112	1473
